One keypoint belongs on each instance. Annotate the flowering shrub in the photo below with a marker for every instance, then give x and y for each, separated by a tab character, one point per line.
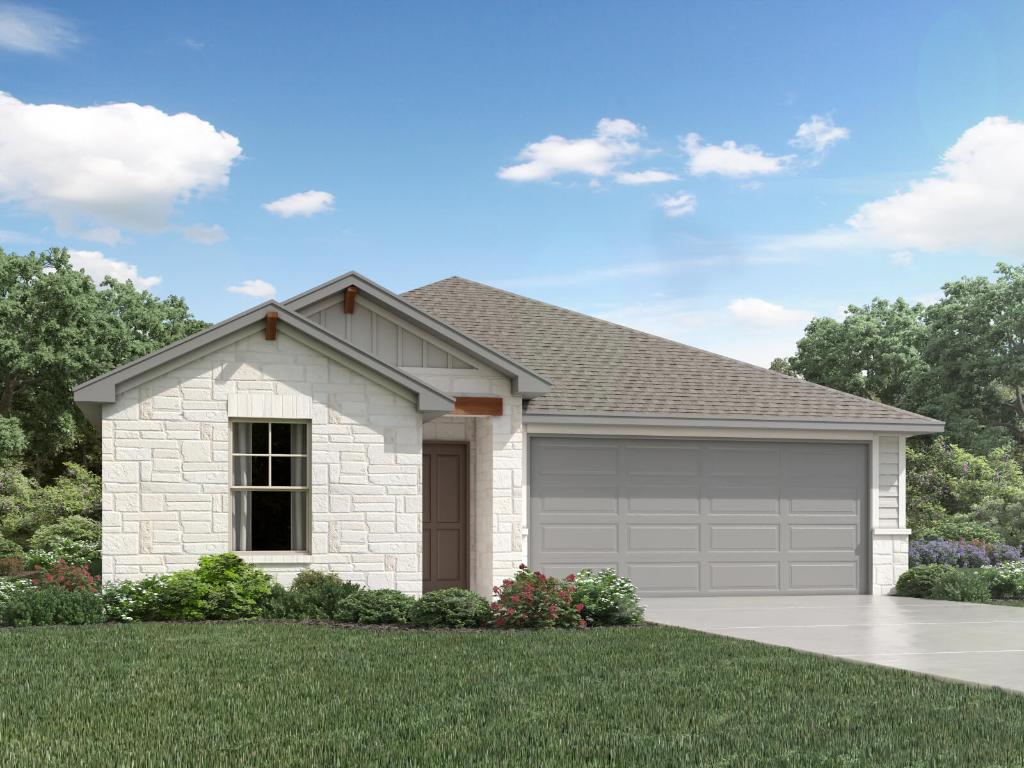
11	587
62	549
123	600
607	598
532	599
962	554
1008	580
63	575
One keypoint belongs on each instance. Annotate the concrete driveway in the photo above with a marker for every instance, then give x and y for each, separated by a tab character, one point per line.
961	641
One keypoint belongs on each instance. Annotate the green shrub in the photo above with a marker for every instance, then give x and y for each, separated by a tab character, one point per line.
919	580
235	589
25	506
957	528
319	595
122	600
52	605
10	548
1008	580
607	598
178	596
450	608
376	606
74	527
965	585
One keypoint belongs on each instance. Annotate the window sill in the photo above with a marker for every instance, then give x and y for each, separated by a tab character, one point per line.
276	558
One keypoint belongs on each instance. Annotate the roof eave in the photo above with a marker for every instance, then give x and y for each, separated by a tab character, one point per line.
906	427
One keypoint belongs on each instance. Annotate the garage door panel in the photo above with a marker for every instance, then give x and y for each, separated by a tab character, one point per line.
823	577
582	499
642	461
823	538
665	578
568	459
658	538
744	538
662	500
582	537
684	517
754	504
743	576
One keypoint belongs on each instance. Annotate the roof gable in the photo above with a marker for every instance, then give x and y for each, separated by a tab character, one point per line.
91	394
603	370
525	382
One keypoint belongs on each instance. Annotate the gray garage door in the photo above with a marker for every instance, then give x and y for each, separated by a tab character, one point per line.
688	517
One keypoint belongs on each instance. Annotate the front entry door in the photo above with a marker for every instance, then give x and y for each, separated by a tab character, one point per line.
445	516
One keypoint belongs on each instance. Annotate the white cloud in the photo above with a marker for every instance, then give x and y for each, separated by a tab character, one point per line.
758	313
678	205
205	235
645	177
259	289
973	199
97	266
729	159
33	30
611	145
818	134
717	330
301	204
114	165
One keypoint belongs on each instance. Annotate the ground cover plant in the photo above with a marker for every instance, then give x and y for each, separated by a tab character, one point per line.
256	694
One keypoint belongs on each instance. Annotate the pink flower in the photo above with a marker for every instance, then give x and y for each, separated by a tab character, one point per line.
571	577
583	623
579	607
515	598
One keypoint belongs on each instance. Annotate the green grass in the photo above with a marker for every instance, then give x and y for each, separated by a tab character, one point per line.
303	695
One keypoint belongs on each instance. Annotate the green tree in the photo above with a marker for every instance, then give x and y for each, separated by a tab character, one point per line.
875	352
58	329
975	351
947	483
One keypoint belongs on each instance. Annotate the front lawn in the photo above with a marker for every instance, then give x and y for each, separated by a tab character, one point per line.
303	695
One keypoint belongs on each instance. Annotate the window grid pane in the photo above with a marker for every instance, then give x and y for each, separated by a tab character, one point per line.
270	485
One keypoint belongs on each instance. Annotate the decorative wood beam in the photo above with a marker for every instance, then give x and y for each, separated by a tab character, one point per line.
478	406
350	299
270	331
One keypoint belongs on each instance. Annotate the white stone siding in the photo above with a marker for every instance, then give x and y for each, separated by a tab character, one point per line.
166	447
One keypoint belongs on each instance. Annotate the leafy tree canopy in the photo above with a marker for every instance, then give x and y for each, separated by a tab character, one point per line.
57	329
960	360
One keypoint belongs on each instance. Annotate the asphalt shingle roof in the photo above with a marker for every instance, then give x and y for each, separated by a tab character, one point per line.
599	367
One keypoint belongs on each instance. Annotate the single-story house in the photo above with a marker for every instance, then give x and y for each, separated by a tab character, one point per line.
443	436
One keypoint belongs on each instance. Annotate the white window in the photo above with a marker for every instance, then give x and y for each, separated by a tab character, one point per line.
270	485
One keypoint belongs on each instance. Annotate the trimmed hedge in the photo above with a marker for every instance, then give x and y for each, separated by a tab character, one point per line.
450	608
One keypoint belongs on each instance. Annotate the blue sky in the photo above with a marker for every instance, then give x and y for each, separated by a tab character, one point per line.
807	155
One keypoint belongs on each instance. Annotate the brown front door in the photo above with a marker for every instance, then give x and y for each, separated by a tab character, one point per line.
445	516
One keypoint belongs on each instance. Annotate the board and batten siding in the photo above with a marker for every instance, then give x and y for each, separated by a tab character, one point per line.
382	335
888	481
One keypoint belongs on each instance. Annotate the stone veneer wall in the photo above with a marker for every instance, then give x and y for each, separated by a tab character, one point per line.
166	464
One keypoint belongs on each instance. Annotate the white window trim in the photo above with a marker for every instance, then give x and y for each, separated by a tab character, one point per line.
307	488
